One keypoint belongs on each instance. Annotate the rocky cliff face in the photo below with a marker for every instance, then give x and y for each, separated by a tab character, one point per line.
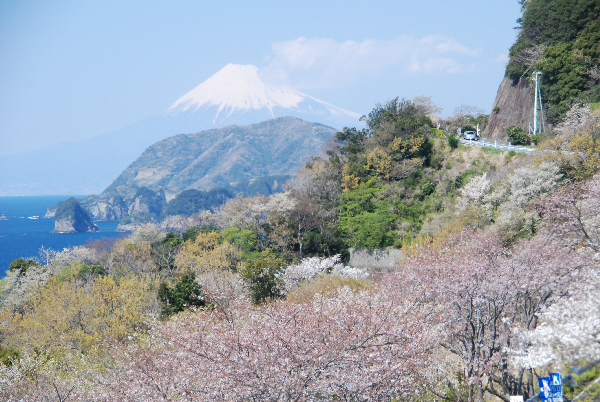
103	207
72	226
513	107
70	217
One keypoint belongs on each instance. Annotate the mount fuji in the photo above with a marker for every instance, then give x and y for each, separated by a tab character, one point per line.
235	95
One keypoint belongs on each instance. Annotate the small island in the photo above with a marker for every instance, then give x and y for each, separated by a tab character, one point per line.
70	217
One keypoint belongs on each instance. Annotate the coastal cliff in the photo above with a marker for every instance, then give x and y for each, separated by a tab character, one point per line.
70	217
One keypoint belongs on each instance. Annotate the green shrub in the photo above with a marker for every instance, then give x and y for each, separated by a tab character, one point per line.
453	141
261	273
172	240
80	270
94	270
22	265
517	136
588	376
427	188
464	178
7	355
184	294
191	233
537	138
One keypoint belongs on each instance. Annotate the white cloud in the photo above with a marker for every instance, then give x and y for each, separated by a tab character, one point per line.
319	62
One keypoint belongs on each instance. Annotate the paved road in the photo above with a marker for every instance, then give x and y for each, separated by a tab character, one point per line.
497	146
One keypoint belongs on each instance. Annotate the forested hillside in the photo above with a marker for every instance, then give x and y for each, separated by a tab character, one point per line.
217	164
560	39
254	300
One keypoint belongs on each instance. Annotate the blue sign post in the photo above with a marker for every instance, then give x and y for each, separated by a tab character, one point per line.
545	393
556	387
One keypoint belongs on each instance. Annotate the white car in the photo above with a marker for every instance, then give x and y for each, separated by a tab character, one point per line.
470	135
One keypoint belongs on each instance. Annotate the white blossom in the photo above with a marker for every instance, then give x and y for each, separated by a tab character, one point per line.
474	192
252	212
567	331
349	272
310	268
576	118
147	233
524	184
74	254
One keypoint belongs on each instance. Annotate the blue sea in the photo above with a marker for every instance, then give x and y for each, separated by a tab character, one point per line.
23	237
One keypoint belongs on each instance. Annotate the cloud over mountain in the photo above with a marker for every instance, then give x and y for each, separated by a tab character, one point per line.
322	62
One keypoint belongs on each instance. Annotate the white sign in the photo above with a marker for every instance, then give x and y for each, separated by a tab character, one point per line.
516	398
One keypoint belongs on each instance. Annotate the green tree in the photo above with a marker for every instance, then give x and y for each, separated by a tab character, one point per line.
453	141
261	274
560	39
22	265
244	239
366	219
563	80
517	136
184	294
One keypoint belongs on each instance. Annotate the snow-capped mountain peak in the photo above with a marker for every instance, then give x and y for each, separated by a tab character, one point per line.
239	88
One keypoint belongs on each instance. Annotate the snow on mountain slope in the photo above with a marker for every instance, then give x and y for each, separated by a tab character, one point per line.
239	88
235	95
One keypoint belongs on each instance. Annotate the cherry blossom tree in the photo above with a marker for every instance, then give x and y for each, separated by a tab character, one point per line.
43	377
490	290
473	193
352	346
573	214
317	190
569	329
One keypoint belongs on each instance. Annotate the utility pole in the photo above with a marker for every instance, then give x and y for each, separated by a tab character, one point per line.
538	95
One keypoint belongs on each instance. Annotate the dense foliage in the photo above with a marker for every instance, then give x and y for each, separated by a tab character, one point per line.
189	202
517	136
499	260
395	175
185	293
22	265
559	38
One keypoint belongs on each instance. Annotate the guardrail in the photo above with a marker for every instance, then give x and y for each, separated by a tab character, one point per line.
495	145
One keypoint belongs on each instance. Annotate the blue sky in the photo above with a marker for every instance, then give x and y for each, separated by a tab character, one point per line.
71	70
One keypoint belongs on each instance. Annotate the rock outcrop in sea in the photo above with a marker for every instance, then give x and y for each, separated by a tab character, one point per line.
70	217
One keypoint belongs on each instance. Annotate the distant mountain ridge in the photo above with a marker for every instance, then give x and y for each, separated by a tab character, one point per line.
236	95
226	156
244	160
